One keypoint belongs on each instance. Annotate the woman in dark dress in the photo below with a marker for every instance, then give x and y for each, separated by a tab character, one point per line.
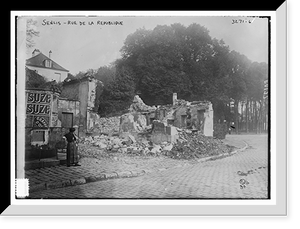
72	151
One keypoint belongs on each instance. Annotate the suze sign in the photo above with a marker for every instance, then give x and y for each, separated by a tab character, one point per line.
38	97
38	109
38	103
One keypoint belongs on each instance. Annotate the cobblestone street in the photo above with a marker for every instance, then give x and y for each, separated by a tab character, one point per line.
242	175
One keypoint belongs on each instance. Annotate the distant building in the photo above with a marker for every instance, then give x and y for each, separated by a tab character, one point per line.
45	66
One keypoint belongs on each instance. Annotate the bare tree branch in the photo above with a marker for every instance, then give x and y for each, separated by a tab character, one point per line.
31	32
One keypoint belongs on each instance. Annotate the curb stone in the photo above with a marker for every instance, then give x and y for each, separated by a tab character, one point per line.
90	179
162	169
241	149
114	175
137	173
84	180
100	176
124	174
224	154
78	181
148	170
111	175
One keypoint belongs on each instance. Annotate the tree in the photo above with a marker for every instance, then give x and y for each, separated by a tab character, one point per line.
256	77
106	74
237	85
118	94
31	32
34	80
69	77
169	59
81	74
186	60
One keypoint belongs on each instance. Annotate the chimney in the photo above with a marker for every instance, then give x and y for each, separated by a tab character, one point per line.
50	52
35	52
174	98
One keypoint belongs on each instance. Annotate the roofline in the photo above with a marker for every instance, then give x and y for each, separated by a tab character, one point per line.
63	70
40	53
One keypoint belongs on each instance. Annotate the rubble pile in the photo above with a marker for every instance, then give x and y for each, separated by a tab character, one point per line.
193	145
130	134
138	105
126	144
133	122
108	125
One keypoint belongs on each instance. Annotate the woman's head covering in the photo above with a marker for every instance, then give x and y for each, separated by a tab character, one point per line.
72	129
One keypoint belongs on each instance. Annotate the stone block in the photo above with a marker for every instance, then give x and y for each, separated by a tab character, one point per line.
132	122
124	174
148	170
90	179
168	147
162	169
78	181
66	183
171	130
159	127
136	173
111	175
100	176
172	138
53	185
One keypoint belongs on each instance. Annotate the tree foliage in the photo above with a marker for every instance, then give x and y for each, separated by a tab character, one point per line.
118	92
36	81
182	59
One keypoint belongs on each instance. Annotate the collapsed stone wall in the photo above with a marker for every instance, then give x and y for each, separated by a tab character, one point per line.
139	119
161	132
133	122
134	134
105	125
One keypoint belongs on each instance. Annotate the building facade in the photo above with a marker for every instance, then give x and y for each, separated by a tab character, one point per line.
46	67
48	118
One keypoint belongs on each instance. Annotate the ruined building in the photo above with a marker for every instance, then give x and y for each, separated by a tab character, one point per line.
177	114
164	120
84	91
50	113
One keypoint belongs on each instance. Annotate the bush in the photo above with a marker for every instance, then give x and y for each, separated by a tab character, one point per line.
220	130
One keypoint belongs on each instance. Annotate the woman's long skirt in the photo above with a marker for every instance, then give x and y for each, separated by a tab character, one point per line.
72	153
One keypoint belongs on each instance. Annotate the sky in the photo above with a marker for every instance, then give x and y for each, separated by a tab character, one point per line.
81	43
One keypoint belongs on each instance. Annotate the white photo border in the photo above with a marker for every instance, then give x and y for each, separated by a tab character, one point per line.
277	205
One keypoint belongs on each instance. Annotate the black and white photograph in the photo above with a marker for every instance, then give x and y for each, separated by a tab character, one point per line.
148	113
144	107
